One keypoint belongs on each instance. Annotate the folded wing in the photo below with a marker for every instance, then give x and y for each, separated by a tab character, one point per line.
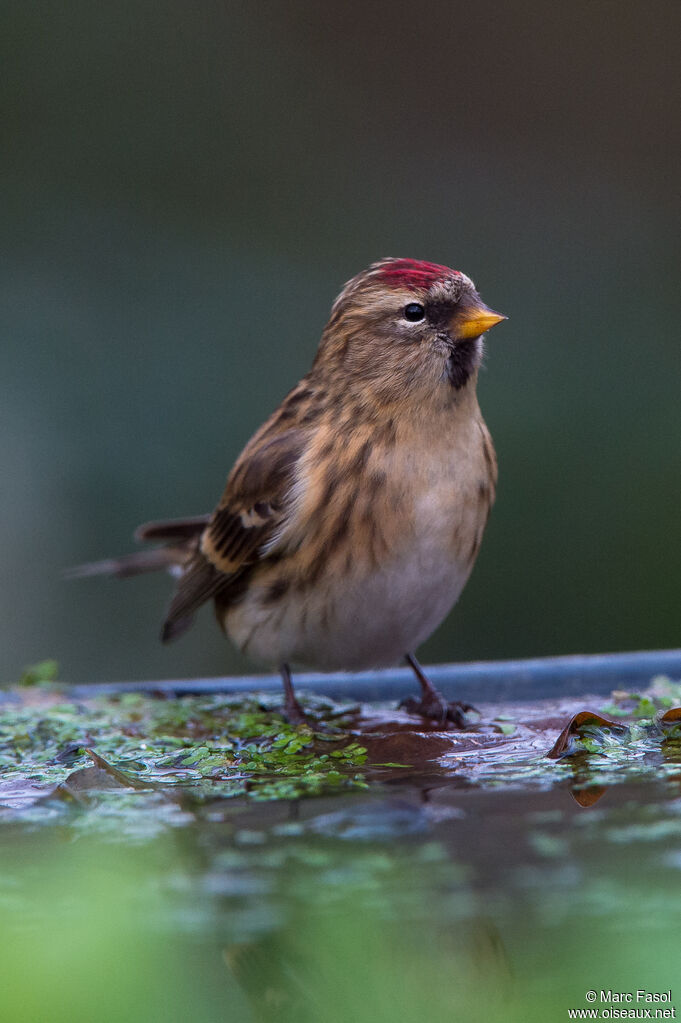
240	531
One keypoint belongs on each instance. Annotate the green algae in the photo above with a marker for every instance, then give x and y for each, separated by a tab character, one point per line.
211	746
116	755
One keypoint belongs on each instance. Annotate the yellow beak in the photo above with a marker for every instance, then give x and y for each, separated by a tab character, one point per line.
473	320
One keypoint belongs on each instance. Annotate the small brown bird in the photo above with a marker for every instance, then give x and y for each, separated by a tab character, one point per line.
351	521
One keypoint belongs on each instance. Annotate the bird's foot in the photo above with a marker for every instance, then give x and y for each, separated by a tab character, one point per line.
432	704
434	707
294	714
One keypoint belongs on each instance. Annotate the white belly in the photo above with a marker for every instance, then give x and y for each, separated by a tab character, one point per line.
378	619
365	618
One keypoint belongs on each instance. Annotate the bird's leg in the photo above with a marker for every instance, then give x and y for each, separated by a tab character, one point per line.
293	712
432	703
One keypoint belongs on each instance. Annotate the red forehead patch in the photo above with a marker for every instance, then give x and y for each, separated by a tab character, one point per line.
414	273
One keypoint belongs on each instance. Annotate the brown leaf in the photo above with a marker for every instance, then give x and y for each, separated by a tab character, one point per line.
670	717
123	779
562	745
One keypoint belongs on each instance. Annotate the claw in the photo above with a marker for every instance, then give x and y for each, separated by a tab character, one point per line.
436	708
432	704
294	714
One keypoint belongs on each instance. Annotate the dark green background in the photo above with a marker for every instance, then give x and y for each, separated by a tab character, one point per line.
185	189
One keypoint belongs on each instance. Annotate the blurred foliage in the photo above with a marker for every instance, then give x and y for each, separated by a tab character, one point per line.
43	673
186	189
85	940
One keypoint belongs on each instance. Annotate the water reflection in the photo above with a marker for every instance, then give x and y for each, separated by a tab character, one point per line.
422	896
489	905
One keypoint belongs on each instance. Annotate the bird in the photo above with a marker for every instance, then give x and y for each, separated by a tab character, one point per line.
350	523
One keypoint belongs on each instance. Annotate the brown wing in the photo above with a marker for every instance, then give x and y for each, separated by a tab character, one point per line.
248	516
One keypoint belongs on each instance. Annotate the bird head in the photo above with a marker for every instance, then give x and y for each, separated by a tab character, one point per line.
404	326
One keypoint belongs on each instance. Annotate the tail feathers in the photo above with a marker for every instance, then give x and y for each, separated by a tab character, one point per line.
181	535
198	580
172	529
168	558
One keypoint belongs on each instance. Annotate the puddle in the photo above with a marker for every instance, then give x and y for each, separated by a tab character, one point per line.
162	857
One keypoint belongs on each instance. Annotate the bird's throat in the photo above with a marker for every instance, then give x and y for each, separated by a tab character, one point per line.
462	362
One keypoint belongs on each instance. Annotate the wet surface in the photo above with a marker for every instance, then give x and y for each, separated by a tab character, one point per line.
368	868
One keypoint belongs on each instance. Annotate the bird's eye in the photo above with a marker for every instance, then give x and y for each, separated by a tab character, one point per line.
414	312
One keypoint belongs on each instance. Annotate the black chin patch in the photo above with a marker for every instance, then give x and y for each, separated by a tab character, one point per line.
461	363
